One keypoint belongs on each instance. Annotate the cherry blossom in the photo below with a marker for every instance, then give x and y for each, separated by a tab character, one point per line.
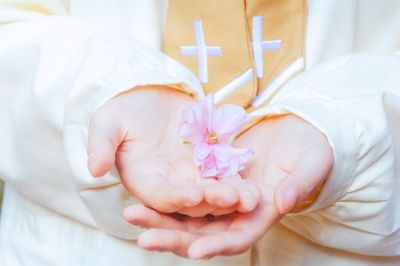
211	131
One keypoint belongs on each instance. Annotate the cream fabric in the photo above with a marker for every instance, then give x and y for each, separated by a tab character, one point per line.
55	70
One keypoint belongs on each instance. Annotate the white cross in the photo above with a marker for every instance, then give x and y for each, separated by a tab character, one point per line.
259	45
201	50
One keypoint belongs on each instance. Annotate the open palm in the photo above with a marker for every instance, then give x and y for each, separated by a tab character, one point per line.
138	131
292	159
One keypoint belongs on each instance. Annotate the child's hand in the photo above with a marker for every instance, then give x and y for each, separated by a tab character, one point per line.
292	159
139	132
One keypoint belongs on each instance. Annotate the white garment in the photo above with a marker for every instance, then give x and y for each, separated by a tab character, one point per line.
60	60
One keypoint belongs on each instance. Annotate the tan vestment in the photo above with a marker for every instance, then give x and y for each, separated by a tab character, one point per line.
333	63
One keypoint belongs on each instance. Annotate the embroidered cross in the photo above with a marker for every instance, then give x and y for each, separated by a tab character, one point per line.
201	50
259	46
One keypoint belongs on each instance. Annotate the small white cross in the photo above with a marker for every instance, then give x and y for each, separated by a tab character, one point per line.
259	46
201	50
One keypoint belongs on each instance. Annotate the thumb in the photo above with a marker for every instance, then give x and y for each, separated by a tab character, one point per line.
302	183
105	135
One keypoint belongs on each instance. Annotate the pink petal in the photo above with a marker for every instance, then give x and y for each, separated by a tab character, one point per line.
209	167
228	120
232	170
191	127
229	160
222	151
201	151
195	120
209	129
204	158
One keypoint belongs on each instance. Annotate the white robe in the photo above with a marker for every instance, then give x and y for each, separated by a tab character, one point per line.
60	60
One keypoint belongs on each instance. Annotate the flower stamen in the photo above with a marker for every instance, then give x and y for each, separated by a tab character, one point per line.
212	138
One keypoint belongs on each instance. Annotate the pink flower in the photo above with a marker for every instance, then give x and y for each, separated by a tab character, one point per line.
210	130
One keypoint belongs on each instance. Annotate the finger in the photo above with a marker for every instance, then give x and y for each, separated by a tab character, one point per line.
172	198
204	208
218	194
224	211
223	198
104	138
143	216
155	191
249	194
174	241
199	210
178	241
244	232
214	224
310	172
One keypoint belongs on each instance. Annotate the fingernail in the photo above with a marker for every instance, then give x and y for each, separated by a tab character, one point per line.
229	199
193	200
195	255
191	203
287	200
225	202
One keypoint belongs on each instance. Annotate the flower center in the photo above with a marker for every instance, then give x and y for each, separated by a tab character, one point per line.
212	138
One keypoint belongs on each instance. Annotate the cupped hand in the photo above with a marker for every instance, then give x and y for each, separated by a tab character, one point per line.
138	132
292	160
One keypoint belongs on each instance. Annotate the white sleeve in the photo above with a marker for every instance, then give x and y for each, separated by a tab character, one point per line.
355	101
54	72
